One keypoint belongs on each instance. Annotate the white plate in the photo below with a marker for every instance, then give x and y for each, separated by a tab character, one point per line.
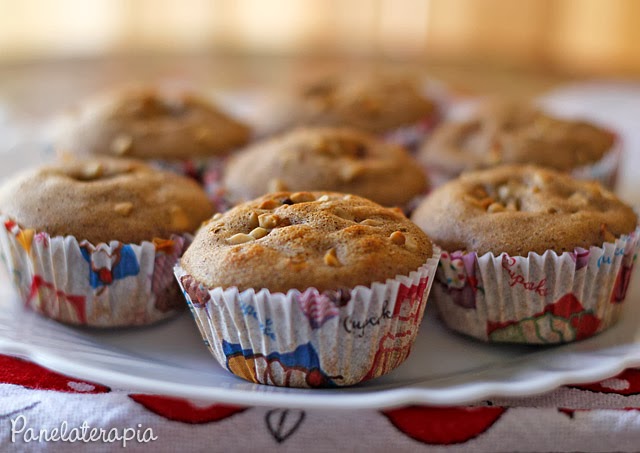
444	368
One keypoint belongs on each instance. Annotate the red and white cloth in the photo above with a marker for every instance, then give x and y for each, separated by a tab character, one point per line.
603	416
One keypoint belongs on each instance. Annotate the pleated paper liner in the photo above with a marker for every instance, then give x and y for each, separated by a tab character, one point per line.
605	171
539	299
311	338
411	136
103	285
206	171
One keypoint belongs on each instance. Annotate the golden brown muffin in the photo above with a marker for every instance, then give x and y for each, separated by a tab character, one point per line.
147	124
521	209
336	159
102	200
373	102
512	132
300	240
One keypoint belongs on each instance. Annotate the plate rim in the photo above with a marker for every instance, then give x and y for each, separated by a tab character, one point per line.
379	399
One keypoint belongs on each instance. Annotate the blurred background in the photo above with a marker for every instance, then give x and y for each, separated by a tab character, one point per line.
59	50
595	37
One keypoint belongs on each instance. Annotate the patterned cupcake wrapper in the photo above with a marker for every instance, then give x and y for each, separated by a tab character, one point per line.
605	171
311	338
412	136
104	285
206	171
539	299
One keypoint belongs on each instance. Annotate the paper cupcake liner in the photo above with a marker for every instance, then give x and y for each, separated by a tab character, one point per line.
412	136
605	171
104	285
539	299
311	338
439	176
206	171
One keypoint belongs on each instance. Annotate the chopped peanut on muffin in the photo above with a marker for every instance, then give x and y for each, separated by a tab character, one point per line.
337	159
105	199
522	209
148	124
373	102
514	133
298	240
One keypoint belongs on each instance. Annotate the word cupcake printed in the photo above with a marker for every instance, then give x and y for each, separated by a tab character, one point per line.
380	322
359	326
608	259
516	279
588	289
83	433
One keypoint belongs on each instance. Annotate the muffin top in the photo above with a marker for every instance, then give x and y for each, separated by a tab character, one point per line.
102	200
337	159
514	132
299	240
372	102
521	209
147	124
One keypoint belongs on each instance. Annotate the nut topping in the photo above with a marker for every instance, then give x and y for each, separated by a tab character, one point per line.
398	238
486	202
121	145
269	204
92	171
123	208
579	199
330	258
268	221
504	192
342	214
258	232
371	222
253	220
301	197
410	243
495	207
240	238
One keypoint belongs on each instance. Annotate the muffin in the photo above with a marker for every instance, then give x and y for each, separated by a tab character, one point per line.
182	133
519	133
389	105
530	255
93	243
323	158
308	289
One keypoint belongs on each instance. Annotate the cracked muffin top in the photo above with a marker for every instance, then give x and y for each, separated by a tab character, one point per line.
299	240
373	102
335	159
514	132
102	200
148	124
521	209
